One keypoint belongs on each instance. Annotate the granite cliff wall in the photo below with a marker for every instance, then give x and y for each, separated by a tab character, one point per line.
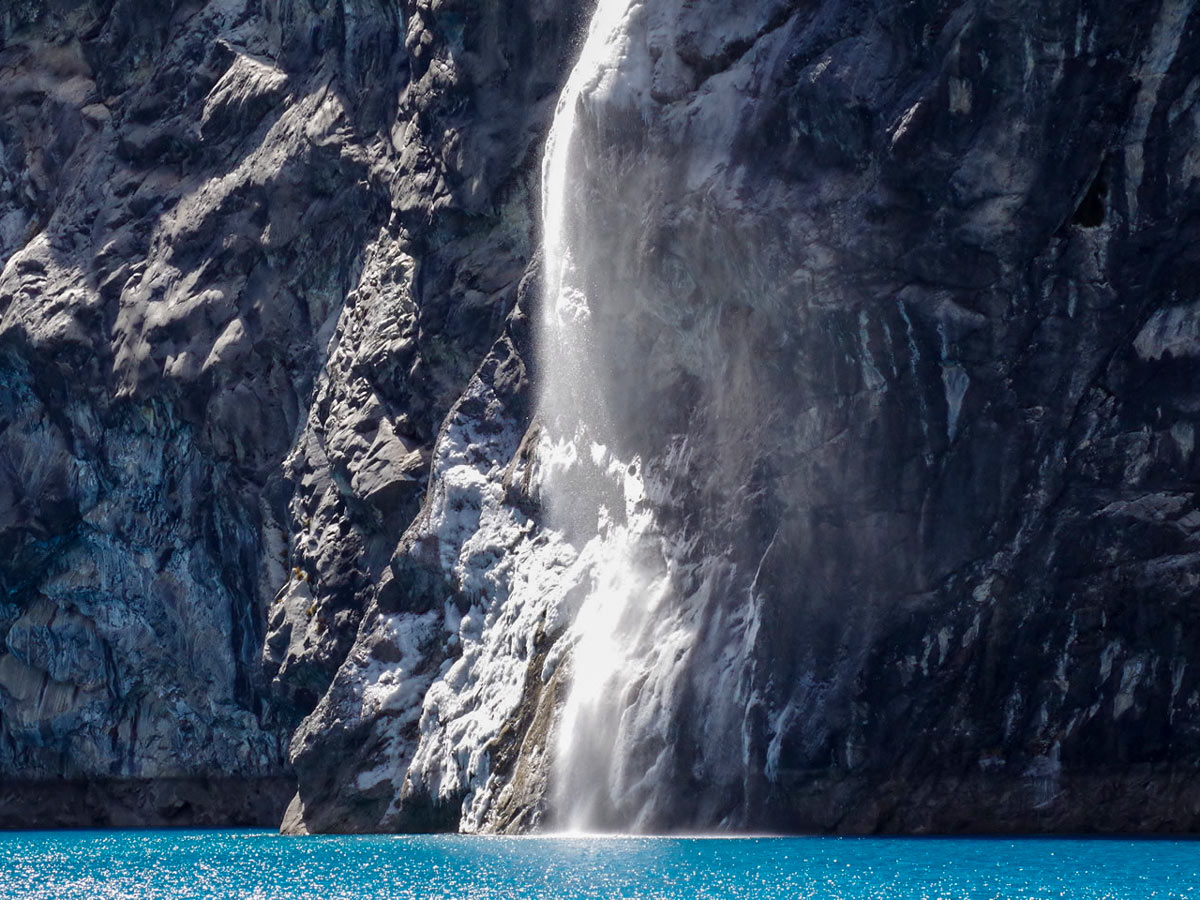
909	343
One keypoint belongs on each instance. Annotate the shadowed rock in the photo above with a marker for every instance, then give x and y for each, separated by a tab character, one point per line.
900	304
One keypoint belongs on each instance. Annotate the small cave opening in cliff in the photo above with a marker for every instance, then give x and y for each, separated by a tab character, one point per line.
1093	207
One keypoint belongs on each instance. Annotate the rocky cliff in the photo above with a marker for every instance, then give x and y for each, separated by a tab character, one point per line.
252	254
889	336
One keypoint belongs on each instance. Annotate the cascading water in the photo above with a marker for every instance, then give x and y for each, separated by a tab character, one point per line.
584	478
634	628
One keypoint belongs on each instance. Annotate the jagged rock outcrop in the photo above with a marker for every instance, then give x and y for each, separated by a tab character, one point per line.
252	254
905	368
900	297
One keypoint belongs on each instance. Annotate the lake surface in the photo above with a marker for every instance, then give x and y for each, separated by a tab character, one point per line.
180	865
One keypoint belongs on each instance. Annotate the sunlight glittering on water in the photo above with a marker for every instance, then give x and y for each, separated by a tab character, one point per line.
163	865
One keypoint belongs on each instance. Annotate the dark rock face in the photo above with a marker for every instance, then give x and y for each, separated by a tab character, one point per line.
940	254
199	802
911	284
251	255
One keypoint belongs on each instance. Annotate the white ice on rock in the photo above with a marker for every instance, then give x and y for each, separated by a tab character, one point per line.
512	576
624	605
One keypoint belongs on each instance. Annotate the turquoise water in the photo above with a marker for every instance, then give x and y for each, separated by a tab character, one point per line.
182	865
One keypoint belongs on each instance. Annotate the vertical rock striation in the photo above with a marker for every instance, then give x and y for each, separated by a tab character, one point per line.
894	303
897	317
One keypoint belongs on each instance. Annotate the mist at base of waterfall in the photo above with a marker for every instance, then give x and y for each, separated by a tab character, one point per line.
645	646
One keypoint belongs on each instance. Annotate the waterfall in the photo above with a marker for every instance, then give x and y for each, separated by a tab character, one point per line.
595	496
661	635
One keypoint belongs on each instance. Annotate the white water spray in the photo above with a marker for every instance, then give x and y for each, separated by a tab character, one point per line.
658	655
594	497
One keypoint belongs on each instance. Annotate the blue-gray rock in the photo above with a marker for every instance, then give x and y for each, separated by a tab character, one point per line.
896	305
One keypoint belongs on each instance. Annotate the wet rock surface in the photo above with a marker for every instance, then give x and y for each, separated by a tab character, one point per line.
912	355
909	278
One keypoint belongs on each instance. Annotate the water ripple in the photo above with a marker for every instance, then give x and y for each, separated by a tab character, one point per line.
255	865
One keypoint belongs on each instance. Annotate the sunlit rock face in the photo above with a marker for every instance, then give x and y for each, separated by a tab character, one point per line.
883	362
252	254
841	478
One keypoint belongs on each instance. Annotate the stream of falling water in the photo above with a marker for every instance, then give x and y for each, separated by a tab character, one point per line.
594	497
